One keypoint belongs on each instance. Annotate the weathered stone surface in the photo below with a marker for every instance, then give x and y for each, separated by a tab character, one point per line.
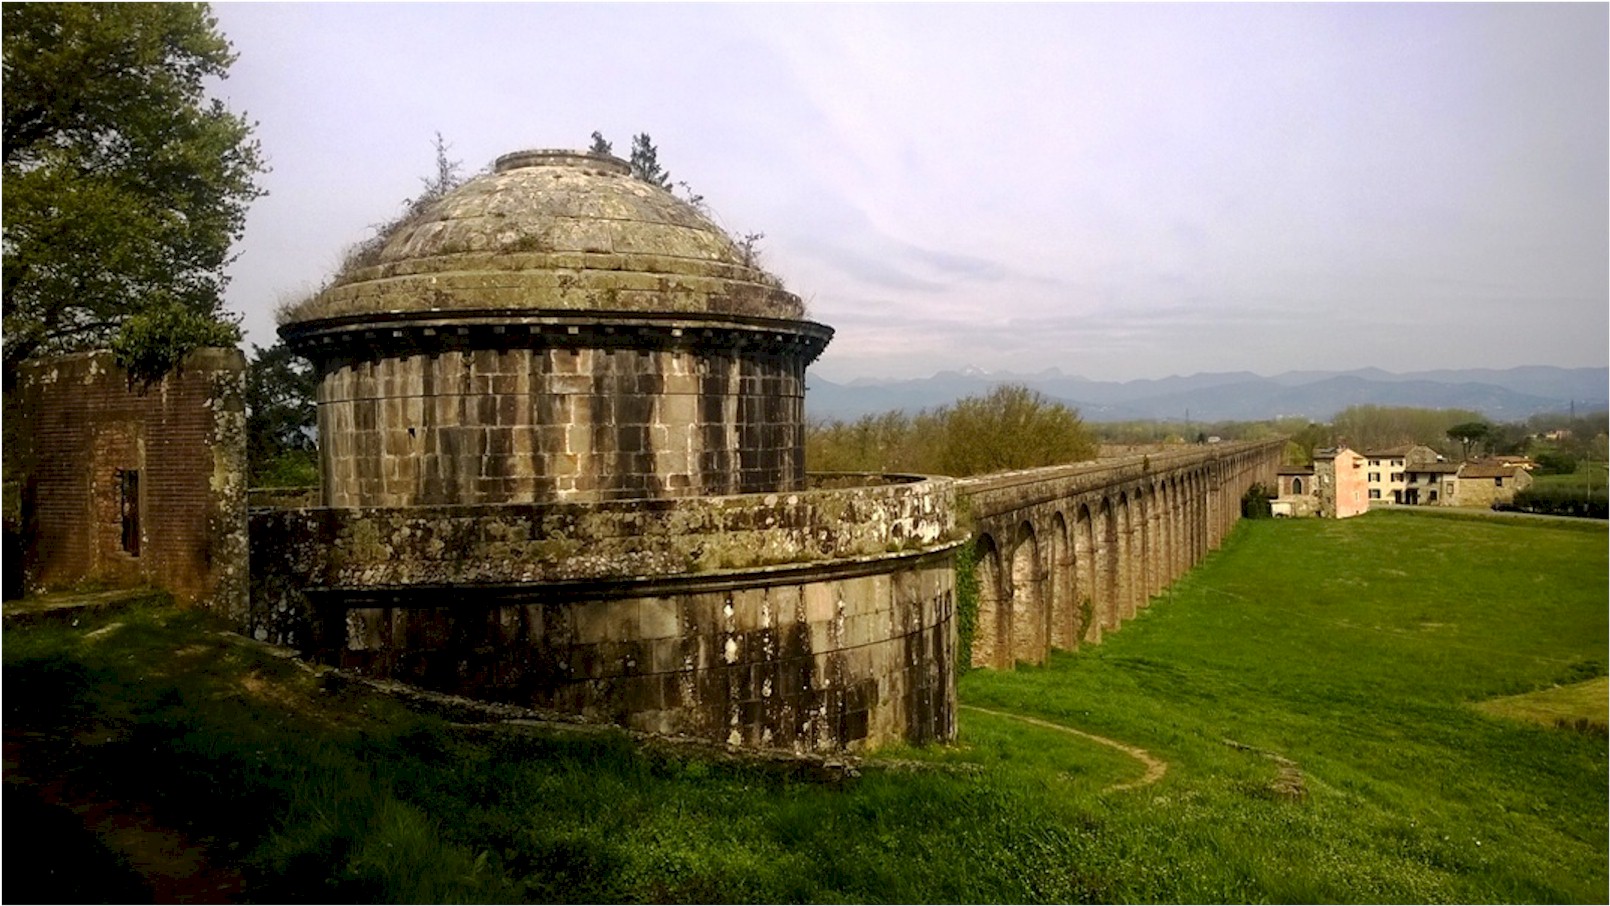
558	230
736	664
1067	553
562	432
816	621
387	547
549	424
132	483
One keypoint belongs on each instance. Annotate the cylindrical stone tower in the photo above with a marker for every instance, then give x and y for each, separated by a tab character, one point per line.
557	330
560	419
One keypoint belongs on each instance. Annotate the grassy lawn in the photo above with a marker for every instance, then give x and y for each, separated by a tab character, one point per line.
1588	476
1312	691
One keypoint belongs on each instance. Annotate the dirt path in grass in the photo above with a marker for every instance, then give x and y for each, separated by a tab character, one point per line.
1155	767
173	866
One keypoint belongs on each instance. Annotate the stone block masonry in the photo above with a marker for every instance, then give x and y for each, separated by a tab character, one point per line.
558	422
562	438
1067	553
817	621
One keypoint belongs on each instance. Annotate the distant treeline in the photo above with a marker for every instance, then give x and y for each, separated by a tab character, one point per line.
1368	427
1011	427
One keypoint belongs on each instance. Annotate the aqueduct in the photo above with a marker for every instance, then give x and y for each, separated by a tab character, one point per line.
1066	553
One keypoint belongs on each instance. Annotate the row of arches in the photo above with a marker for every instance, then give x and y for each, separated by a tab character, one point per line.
1062	572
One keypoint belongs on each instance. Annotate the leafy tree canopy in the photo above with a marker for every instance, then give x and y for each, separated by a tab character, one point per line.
1469	434
1011	427
125	186
280	417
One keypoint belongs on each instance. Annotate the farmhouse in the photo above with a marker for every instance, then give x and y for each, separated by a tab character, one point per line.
1484	484
1341	482
1387	470
1431	483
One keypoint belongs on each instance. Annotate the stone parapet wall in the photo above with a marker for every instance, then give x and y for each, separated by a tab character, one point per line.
1004	491
819	621
530	543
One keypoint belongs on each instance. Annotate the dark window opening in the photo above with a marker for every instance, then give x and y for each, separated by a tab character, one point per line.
130	509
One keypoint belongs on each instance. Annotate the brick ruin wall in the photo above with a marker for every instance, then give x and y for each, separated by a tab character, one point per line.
88	427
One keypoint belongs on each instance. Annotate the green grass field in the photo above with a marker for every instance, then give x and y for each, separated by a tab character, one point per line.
1589	476
1311	695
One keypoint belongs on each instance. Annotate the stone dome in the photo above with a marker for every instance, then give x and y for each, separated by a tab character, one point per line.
554	230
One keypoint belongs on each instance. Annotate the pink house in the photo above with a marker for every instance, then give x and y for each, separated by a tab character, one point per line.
1342	483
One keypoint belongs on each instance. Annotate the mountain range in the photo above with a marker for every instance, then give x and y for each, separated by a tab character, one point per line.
1510	394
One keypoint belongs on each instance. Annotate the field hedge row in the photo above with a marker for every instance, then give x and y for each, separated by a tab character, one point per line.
1559	501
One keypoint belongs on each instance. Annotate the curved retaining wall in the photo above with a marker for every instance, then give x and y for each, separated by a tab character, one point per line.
819	620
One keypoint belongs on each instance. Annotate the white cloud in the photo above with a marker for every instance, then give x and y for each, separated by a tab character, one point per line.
1144	189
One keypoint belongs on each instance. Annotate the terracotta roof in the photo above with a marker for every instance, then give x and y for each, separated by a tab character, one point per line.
1440	468
1487	470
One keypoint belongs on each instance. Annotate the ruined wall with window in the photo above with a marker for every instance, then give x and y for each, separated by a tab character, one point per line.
128	482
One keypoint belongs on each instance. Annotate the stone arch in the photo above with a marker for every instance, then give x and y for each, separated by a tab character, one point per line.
1154	540
1182	528
1086	574
1133	552
1198	518
1025	634
986	630
1111	562
1064	630
1297	485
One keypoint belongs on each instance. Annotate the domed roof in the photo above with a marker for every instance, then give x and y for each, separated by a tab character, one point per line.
555	230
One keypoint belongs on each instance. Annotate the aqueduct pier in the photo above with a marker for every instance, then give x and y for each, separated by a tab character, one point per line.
1065	553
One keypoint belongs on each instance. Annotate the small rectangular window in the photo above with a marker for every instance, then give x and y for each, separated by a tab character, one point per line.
129	509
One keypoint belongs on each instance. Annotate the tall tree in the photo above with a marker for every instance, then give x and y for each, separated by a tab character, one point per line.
600	146
280	417
1469	434
646	162
1012	427
125	186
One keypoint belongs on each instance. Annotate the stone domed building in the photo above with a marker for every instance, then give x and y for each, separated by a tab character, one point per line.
561	434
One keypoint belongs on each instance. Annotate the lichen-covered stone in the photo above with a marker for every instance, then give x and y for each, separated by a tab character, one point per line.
819	621
558	230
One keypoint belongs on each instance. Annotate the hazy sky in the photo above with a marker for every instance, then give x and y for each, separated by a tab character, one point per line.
1121	191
